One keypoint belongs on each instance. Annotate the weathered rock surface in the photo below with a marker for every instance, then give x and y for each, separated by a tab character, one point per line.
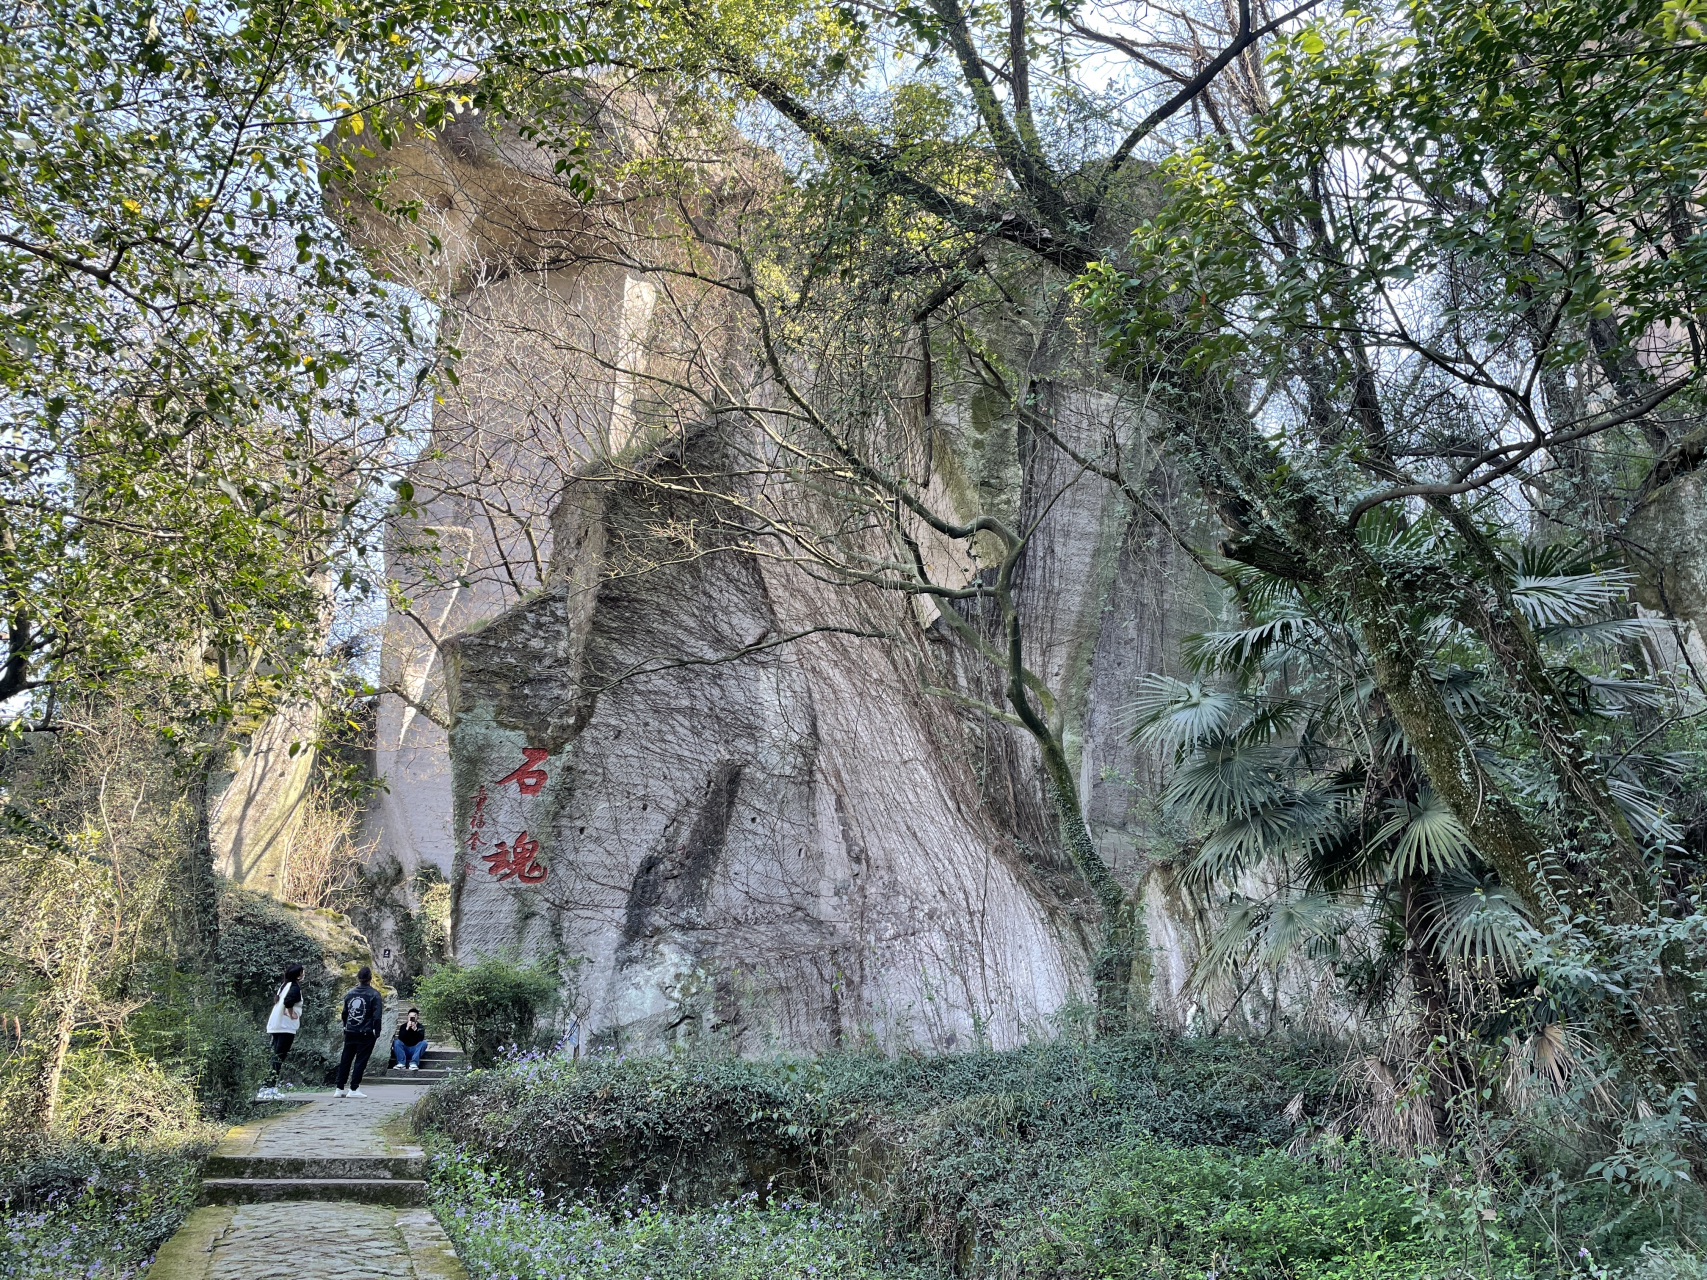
1667	540
795	846
256	818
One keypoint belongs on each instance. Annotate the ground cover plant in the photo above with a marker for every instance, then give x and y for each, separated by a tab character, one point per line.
1133	1156
91	1211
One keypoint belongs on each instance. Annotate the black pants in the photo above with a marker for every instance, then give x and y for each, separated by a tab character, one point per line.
282	1041
357	1047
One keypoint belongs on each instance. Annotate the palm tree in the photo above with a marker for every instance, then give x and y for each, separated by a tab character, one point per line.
1313	829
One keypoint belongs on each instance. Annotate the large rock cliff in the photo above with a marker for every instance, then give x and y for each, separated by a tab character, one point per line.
776	841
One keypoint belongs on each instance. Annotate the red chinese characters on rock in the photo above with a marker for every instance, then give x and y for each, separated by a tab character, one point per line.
528	776
515	860
477	821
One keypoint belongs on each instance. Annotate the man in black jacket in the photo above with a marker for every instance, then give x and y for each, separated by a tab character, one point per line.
363	1012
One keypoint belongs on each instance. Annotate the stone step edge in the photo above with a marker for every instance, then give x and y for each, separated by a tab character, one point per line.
387	1191
313	1168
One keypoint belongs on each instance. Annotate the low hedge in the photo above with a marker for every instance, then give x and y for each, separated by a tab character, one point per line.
942	1143
91	1211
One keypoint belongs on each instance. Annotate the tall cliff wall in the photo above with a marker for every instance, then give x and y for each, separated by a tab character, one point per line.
789	843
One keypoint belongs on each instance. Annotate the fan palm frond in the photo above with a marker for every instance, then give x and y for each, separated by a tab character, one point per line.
1273	719
1393	528
1269	931
1547	560
1672	764
1561	599
1232	941
1607	631
1615	697
1544	1063
1227	780
1316	921
1258	588
1344	860
1464	689
1290	822
1430	837
1173	714
1643	810
1476	918
1225	650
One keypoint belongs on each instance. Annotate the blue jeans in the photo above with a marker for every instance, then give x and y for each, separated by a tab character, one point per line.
406	1055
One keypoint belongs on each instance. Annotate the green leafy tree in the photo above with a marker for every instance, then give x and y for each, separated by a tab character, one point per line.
1451	283
200	386
199	377
1408	315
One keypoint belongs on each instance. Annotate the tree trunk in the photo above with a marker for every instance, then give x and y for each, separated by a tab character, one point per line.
200	883
71	991
1111	970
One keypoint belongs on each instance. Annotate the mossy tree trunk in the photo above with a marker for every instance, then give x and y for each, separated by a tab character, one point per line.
68	971
1585	863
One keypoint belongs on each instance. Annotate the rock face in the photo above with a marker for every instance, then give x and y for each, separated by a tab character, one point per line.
256	817
1667	538
769	840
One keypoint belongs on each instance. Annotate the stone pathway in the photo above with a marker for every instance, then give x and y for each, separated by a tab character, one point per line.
328	1191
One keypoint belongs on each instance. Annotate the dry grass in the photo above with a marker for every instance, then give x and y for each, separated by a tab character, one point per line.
322	864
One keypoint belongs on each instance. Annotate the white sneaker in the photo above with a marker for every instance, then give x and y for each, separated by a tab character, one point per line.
413	1067
356	1093
337	1093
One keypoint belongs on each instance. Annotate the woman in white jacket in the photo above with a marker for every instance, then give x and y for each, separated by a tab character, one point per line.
282	1026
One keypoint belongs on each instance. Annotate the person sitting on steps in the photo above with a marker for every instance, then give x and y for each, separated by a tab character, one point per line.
363	1012
409	1043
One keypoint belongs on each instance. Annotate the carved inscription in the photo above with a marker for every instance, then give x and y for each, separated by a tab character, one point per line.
513	859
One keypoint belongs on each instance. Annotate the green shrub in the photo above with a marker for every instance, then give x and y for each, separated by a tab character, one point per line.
487	1007
947	1136
228	1057
505	1233
258	940
115	1097
98	1213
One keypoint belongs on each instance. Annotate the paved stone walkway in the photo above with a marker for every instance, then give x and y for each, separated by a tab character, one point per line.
330	1126
319	1238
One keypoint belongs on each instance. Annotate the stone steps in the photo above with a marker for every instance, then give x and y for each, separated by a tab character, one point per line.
330	1189
436	1064
391	1075
397	1181
359	1168
393	1192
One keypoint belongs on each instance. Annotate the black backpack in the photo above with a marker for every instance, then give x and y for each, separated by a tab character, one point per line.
355	1013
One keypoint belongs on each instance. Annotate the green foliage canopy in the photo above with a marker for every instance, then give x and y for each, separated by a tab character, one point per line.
199	376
